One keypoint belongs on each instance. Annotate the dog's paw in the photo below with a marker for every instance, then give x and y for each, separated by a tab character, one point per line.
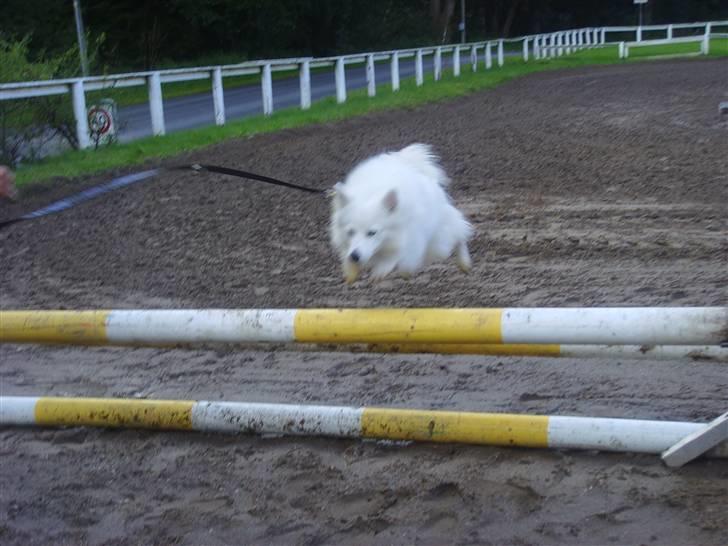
462	258
351	272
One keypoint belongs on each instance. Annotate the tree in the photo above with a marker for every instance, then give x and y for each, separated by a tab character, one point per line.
440	14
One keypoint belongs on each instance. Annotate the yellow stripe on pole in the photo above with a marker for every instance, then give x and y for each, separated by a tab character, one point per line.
456	427
77	327
489	349
398	325
109	412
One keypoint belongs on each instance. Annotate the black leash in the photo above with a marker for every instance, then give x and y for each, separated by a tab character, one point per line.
129	179
251	176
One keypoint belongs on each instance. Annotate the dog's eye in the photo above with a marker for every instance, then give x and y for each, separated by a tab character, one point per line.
371	233
351	233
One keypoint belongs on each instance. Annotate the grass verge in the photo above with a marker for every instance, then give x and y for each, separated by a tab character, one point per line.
77	163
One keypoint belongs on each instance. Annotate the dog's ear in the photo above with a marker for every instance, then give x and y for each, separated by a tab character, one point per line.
340	197
390	201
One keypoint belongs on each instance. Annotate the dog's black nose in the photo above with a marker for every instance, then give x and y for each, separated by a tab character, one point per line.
354	256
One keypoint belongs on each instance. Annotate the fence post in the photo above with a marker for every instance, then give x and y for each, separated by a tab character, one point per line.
560	39
536	47
587	37
669	32
218	99
155	103
340	76
474	58
639	34
304	79
604	36
580	39
79	112
395	71
438	63
266	84
371	77
525	50
456	61
488	56
419	80
622	50
705	44
500	52
708	28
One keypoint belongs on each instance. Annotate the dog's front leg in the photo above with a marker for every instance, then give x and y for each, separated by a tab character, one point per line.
462	258
351	271
384	268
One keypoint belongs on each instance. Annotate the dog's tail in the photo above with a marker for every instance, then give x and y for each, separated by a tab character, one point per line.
422	158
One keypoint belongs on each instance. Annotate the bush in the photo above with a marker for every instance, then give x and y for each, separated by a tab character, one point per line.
29	127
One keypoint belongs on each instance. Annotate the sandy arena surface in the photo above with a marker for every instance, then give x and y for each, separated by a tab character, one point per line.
603	186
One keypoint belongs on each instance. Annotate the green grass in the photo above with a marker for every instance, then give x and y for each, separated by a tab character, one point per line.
77	163
667	49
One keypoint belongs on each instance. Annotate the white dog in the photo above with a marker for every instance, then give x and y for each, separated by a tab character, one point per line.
392	215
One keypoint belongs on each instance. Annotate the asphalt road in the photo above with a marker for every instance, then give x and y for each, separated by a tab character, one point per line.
197	110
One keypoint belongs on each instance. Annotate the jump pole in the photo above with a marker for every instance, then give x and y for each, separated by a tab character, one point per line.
571	326
704	353
496	429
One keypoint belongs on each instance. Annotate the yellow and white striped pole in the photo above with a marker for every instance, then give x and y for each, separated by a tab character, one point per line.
577	326
497	429
703	353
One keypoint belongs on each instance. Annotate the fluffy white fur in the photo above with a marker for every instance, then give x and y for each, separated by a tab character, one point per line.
393	215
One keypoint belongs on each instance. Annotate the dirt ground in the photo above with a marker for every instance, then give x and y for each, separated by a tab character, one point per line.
604	186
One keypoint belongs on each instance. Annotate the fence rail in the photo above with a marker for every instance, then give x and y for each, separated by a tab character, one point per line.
537	47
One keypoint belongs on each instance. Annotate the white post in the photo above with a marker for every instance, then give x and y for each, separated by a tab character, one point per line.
580	39
155	104
669	32
456	61
622	50
419	80
560	43
340	75
568	42
537	47
266	84
525	50
705	45
395	71
500	52
639	34
474	58
438	63
371	78
79	112
708	29
488	56
218	99
587	37
604	36
304	80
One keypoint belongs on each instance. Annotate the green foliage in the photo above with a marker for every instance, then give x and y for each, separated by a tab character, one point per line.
163	33
28	125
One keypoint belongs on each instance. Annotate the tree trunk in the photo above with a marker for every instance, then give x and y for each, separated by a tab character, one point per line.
440	16
509	18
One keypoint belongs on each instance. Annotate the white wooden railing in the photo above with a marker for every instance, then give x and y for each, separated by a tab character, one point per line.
540	46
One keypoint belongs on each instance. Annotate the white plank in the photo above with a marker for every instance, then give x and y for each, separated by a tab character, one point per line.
698	443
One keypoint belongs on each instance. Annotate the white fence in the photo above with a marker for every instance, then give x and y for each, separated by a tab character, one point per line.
540	46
